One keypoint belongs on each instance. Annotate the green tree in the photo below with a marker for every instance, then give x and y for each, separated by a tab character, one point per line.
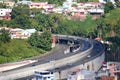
4	36
22	21
42	41
21	17
45	41
2	5
33	40
108	6
118	4
20	10
74	5
111	22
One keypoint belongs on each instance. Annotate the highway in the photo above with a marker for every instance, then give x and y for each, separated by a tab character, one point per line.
58	54
98	47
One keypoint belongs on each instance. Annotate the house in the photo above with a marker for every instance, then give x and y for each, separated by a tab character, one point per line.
49	7
42	5
20	33
78	16
68	4
31	31
24	2
9	3
59	10
81	75
5	14
5	28
105	1
37	5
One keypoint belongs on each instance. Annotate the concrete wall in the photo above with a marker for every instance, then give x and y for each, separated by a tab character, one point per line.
94	64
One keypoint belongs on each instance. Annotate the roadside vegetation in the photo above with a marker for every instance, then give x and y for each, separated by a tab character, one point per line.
17	49
107	27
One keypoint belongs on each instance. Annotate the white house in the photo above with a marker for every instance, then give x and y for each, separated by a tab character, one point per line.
105	1
24	2
37	5
68	4
58	10
5	13
20	33
31	31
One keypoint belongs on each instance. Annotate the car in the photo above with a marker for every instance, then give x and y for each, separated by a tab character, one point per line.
57	68
52	60
33	65
69	64
89	56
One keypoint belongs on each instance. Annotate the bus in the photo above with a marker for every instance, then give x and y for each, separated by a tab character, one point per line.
44	75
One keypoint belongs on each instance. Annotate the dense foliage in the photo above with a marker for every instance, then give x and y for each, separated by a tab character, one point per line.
20	17
4	36
2	5
77	28
17	49
108	6
42	41
109	29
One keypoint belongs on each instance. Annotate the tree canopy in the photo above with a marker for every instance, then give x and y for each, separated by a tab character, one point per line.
108	6
2	5
42	41
111	22
4	36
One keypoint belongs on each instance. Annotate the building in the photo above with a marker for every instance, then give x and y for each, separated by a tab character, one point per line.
81	75
20	33
9	3
78	16
24	2
5	14
68	4
58	10
44	75
42	5
37	5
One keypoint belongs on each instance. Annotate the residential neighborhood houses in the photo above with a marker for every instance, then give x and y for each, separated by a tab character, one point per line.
79	11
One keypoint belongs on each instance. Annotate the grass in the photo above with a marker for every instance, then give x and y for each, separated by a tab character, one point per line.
17	49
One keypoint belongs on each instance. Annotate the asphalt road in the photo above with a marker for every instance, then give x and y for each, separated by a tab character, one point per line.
56	54
97	51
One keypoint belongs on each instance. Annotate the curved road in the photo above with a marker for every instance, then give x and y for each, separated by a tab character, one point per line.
56	54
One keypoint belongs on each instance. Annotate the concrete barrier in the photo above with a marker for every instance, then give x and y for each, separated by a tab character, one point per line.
11	75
